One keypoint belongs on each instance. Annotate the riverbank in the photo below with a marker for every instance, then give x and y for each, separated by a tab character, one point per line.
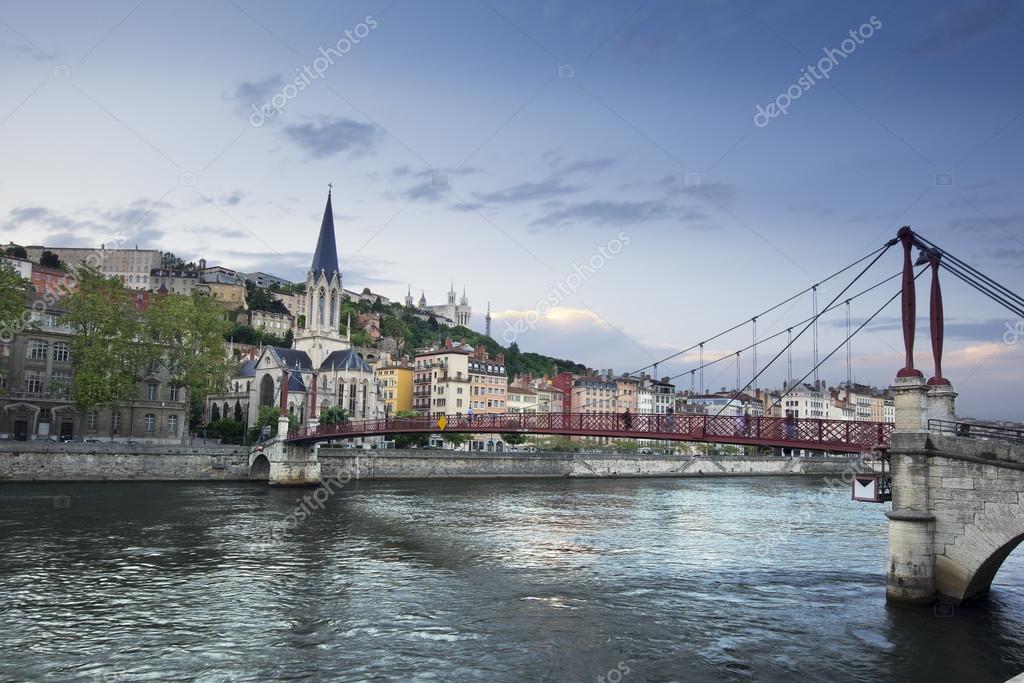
41	462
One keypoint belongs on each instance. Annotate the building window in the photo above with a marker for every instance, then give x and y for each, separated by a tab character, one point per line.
62	352
37	349
150	422
33	382
172	424
152	391
61	380
92	420
175	393
115	422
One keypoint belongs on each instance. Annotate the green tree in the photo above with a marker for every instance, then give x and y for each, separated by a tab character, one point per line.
17	251
333	415
625	446
108	358
558	444
408	440
456	438
268	417
49	259
361	338
13	288
189	332
227	430
513	438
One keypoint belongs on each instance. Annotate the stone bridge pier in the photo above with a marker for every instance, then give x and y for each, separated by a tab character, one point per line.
958	502
282	464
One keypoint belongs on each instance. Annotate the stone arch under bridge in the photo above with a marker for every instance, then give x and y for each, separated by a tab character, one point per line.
958	513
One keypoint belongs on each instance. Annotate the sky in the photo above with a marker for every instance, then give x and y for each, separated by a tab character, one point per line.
618	180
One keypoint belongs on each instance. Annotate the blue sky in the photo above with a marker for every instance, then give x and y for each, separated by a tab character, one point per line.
500	144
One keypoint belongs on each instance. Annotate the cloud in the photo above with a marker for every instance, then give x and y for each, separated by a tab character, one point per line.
33	52
249	94
427	190
985	222
124	226
228	233
328	137
232	198
953	28
602	212
581	165
472	207
527	192
567	332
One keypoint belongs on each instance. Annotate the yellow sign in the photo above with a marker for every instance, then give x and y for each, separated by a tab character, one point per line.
442	422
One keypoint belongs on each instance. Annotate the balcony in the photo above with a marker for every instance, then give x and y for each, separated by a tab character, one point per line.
54	395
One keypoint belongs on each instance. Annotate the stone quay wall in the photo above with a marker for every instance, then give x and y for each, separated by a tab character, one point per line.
36	461
390	464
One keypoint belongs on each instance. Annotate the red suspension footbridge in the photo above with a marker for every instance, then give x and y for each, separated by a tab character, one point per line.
841	436
772	429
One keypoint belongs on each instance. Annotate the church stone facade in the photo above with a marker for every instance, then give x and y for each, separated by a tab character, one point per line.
322	368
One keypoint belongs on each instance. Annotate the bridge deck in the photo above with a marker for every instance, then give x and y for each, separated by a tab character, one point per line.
806	433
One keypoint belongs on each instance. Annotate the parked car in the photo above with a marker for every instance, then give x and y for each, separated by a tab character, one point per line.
645	451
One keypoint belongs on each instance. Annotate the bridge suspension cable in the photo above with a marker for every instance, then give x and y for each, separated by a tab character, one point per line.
1004	296
878	255
834	275
697	373
694	372
849	336
787	331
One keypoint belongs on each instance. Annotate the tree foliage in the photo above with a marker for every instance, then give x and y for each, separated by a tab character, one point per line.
106	352
333	415
456	438
408	440
17	251
268	417
227	430
188	332
13	288
513	438
49	259
245	334
260	299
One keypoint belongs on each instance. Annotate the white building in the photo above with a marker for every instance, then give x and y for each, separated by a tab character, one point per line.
133	266
449	313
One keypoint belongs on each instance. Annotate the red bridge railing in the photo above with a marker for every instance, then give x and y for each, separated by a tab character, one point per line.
807	433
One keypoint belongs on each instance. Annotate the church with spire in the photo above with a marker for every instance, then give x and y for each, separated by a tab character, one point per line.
450	313
321	368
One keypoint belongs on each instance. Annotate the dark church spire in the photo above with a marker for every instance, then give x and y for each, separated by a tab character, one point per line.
326	256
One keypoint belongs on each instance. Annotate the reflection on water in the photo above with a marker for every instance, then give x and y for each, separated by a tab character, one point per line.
474	580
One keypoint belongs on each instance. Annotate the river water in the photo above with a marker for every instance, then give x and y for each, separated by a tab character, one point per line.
510	580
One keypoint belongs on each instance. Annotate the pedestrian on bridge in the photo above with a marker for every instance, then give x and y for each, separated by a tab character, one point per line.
627	421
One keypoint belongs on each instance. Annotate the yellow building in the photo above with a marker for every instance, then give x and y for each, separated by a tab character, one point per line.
396	387
230	297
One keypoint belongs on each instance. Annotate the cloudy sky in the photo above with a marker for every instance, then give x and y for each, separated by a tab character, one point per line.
507	145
